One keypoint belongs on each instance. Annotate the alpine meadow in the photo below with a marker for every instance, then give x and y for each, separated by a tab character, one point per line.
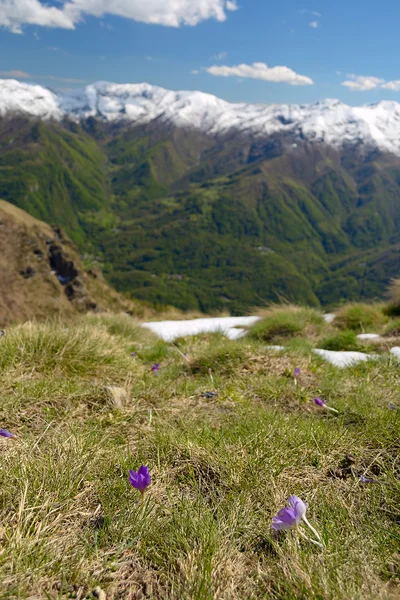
199	300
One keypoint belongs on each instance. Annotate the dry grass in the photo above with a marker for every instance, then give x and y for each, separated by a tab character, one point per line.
222	465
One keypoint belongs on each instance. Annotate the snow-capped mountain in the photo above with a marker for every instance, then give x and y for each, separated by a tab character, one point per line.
330	122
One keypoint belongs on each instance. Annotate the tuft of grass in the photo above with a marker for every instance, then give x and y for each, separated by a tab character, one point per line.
393	307
289	321
74	349
392	328
222	358
343	340
123	326
360	317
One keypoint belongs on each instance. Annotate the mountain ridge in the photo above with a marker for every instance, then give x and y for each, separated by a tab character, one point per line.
330	121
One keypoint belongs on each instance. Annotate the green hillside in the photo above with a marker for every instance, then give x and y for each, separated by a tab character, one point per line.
204	224
55	173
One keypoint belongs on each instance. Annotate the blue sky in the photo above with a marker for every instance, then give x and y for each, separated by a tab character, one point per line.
224	47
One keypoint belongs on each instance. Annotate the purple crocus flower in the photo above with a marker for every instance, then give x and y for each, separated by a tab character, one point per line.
297	372
322	402
133	354
140	480
155	368
6	434
290	516
319	401
364	479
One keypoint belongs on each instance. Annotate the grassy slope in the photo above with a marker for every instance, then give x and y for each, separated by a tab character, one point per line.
54	173
221	468
30	288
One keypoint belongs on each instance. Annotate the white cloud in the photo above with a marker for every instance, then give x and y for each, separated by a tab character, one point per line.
261	71
195	72
220	56
360	83
15	13
313	24
305	11
15	74
394	86
65	79
172	13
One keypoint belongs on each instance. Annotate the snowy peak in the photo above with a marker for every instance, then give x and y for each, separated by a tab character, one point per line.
329	121
24	98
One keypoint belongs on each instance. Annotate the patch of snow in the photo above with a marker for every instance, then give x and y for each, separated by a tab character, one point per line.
344	359
329	317
369	336
235	333
228	326
395	351
329	121
25	98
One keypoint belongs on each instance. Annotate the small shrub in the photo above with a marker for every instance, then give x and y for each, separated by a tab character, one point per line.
360	317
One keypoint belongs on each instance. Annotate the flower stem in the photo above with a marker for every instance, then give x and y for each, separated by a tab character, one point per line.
332	409
303	535
315	532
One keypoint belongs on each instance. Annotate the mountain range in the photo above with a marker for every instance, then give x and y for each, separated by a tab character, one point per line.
188	200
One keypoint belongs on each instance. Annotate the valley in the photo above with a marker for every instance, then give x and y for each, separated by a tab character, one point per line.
204	218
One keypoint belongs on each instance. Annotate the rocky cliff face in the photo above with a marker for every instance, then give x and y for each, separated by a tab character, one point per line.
41	274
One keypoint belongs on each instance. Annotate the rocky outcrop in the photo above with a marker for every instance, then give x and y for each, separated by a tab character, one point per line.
41	273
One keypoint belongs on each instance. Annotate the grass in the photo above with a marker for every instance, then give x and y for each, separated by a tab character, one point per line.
393	328
345	340
66	350
393	308
361	317
221	468
282	322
